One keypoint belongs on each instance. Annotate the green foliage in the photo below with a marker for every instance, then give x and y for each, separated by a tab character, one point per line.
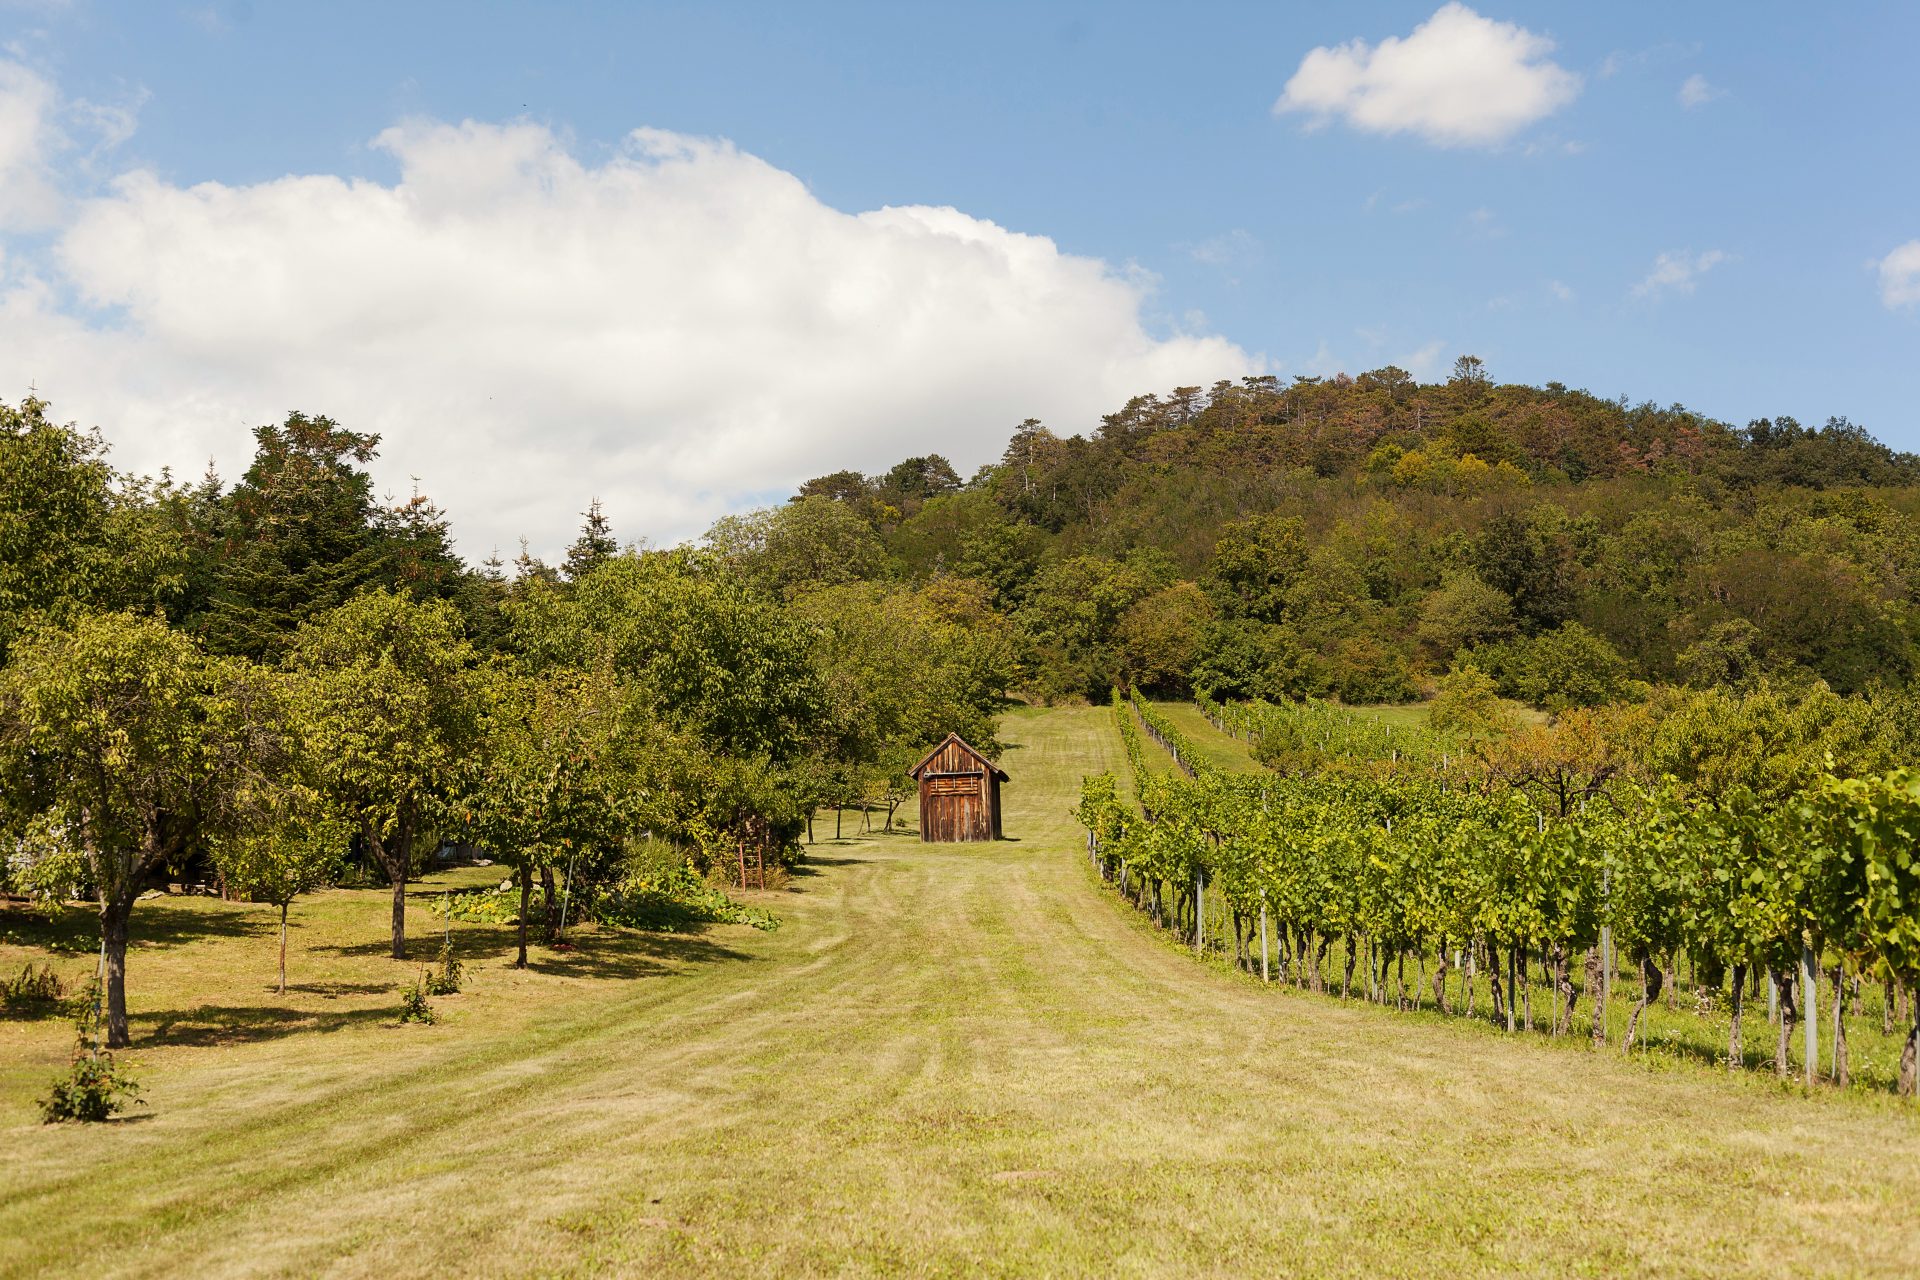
95	1088
47	863
1468	704
700	647
1255	565
414	1005
1397	861
498	904
33	992
445	981
672	903
74	534
390	710
1569	666
811	542
301	534
121	737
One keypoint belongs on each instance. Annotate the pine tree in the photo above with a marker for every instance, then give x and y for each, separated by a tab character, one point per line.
594	545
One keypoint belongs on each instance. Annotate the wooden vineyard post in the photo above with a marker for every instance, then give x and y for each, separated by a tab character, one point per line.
740	844
1199	917
1809	1013
1264	977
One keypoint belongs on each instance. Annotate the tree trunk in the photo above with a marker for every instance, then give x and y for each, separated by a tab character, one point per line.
1440	979
1265	974
1840	1075
1199	918
1346	980
1810	1010
113	932
526	909
1596	985
1910	1060
1783	999
283	948
395	857
550	912
1467	978
1652	977
1569	995
1736	1054
1499	990
1525	988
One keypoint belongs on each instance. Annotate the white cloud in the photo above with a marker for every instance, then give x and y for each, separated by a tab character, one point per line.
1696	92
28	139
45	138
1678	272
680	330
1560	290
1458	80
1900	276
1424	361
1235	248
1485	223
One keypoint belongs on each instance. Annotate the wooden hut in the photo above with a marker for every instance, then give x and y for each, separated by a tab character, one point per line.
959	793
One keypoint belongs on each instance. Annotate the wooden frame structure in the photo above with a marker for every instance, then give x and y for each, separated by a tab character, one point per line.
959	793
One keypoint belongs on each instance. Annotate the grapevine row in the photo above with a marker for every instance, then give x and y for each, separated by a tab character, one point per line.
1382	873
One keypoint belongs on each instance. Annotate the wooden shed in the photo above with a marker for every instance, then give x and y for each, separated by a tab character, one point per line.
959	793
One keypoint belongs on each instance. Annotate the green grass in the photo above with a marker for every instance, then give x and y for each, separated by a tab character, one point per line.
1216	748
948	1060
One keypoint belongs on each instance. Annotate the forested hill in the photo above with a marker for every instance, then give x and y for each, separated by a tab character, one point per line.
1360	536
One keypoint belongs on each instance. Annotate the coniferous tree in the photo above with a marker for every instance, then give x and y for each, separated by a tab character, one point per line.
595	543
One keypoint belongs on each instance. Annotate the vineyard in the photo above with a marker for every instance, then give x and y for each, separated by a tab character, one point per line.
1398	876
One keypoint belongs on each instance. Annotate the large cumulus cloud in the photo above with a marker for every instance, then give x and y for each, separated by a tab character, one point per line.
678	328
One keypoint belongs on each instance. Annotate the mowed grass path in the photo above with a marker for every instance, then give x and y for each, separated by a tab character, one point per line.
948	1061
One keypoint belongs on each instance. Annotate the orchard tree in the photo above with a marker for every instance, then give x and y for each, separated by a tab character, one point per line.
116	726
390	708
74	535
549	782
282	841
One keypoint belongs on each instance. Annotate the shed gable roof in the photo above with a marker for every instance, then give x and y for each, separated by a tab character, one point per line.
964	745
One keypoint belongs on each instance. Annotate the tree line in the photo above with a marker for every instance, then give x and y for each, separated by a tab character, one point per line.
286	682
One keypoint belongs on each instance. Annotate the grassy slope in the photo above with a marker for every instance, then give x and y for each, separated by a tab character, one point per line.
1216	748
953	1060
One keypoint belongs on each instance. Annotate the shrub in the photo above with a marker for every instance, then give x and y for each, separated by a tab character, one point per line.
447	981
33	992
94	1088
414	1006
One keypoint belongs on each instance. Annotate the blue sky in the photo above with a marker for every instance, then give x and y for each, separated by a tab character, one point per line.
1674	202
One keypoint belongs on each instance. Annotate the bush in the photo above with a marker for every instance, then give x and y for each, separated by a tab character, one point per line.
667	903
414	1006
1468	703
33	993
94	1088
500	905
447	981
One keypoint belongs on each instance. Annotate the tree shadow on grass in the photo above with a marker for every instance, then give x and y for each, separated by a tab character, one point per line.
334	990
157	922
630	953
211	1024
